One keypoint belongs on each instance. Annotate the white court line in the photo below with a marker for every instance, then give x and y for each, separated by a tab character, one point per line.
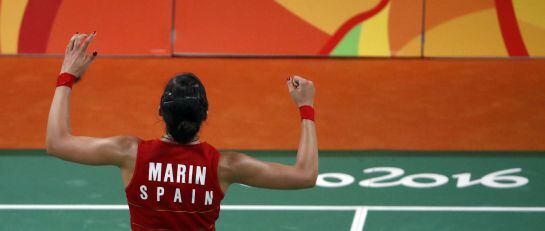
291	207
285	207
62	207
359	219
457	208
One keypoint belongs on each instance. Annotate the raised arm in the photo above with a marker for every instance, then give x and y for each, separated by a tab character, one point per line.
59	140
240	168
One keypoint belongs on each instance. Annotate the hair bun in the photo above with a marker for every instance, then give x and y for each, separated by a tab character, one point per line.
185	131
184	107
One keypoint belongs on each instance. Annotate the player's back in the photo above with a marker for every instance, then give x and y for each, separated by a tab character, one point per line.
174	187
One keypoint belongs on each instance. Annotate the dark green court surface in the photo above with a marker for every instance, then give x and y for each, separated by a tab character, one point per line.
431	221
369	190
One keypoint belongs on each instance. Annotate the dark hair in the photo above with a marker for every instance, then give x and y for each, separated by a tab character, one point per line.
184	107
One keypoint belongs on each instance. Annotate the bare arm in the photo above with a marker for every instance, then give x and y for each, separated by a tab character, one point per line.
240	168
59	140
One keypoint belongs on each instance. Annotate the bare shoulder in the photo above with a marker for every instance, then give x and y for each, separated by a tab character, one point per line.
125	144
231	155
228	163
128	142
127	147
230	159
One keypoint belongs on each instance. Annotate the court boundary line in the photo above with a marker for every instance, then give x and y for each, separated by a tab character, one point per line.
358	222
359	219
354	208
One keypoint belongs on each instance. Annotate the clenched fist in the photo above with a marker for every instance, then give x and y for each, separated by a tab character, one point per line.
301	91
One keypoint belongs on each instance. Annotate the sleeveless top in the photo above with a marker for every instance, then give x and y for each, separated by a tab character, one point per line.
174	187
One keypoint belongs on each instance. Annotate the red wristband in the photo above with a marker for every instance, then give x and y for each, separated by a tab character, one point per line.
66	79
307	112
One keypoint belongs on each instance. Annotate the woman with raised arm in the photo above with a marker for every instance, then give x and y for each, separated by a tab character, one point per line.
176	182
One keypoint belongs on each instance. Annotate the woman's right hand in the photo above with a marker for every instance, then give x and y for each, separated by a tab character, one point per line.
301	91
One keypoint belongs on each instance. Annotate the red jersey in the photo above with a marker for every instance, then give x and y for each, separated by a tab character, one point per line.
174	187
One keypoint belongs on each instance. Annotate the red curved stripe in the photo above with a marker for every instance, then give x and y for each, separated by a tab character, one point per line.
36	25
348	25
510	28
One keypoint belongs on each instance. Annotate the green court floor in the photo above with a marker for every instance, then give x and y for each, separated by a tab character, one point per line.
356	190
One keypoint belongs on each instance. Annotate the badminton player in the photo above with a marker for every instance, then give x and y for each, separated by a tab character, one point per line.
177	181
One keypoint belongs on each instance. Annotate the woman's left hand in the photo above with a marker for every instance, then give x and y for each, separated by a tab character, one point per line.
76	61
